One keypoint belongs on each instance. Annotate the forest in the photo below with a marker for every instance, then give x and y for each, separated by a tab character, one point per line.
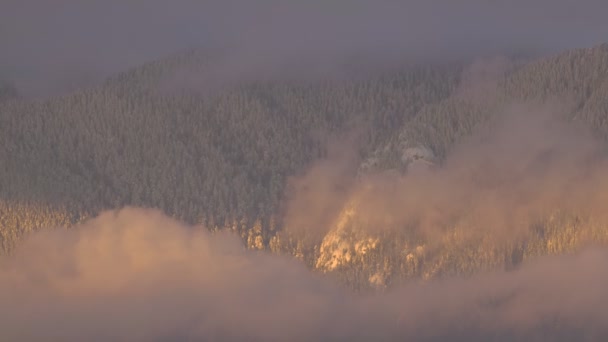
232	158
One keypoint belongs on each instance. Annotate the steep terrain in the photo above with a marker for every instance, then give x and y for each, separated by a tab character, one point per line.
217	157
383	238
224	157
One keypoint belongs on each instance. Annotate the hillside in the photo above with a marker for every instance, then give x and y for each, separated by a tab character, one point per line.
216	158
226	157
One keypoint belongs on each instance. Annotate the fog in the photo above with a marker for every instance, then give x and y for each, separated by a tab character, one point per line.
52	47
136	275
527	176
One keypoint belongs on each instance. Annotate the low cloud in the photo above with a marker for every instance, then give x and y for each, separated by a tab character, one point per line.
527	182
314	198
53	47
136	275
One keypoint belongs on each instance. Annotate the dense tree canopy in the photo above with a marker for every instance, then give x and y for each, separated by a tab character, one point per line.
223	157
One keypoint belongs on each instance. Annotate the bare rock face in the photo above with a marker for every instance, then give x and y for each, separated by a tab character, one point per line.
418	158
413	154
408	159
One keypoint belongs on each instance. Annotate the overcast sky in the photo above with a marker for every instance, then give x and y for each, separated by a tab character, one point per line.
47	44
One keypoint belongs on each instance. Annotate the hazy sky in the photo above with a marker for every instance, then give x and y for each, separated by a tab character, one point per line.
49	45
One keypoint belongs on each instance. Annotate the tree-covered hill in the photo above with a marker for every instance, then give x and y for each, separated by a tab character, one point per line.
223	158
201	157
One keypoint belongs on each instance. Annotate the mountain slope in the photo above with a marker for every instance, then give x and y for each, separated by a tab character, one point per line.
524	156
218	158
223	157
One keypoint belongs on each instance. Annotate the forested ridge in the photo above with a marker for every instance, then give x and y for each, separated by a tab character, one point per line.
203	158
223	158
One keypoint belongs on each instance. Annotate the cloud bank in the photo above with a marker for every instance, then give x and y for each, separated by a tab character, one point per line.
50	47
136	275
527	182
525	163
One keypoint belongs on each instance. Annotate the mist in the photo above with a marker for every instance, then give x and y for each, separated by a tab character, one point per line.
137	275
50	48
527	182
